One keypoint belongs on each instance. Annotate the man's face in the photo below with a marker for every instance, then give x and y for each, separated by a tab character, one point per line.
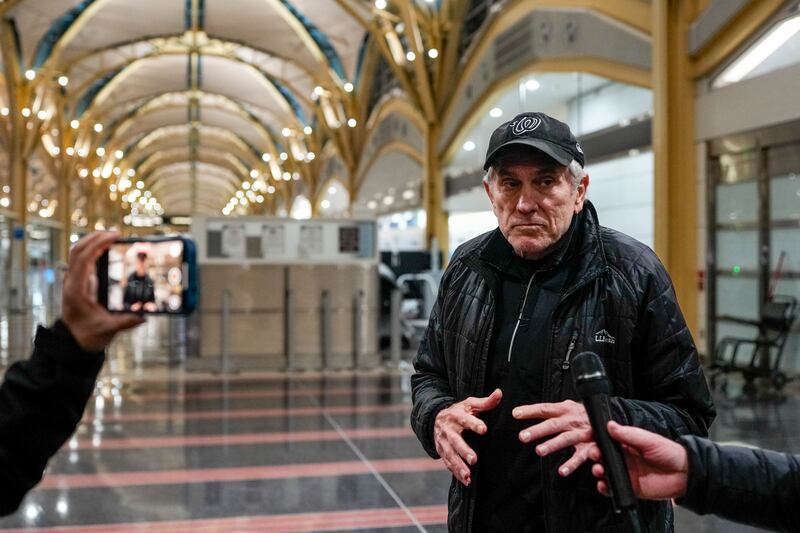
141	266
534	199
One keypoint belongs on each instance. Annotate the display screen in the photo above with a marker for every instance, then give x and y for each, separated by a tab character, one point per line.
146	277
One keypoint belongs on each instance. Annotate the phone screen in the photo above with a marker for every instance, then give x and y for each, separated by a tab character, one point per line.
146	277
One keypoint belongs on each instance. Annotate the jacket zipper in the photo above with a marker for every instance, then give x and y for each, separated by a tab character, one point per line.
519	317
570	348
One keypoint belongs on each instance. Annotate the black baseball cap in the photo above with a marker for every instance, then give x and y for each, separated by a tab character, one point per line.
539	131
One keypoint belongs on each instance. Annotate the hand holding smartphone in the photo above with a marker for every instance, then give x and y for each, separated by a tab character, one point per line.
153	276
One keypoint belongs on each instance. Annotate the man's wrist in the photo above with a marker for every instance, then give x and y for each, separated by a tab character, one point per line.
72	335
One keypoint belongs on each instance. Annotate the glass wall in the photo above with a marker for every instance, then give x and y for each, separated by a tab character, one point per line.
622	192
402	231
621	184
464	226
754	236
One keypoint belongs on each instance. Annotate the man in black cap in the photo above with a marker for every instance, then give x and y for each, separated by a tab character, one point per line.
140	292
493	396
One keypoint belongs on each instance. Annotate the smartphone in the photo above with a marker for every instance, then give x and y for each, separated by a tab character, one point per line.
153	276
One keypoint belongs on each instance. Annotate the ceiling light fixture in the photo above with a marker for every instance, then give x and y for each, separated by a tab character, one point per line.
766	46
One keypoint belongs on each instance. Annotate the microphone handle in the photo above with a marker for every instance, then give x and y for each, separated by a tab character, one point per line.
613	460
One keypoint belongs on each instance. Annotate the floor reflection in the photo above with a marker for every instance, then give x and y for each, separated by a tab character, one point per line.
168	450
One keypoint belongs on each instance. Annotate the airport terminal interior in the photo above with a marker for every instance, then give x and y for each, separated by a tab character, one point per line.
326	159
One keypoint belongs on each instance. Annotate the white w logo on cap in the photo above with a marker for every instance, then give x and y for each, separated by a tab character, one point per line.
525	124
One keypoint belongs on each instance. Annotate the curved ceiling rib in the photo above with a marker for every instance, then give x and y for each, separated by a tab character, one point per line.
164	89
104	86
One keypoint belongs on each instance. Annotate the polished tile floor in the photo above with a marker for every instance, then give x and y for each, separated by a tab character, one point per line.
164	450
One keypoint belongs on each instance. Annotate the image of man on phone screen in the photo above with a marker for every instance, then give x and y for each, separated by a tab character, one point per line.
140	292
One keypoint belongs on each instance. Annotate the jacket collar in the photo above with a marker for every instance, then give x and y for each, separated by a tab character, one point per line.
584	252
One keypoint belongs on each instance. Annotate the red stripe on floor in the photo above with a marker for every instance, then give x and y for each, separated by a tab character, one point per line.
287	523
272	392
246	413
127	443
180	477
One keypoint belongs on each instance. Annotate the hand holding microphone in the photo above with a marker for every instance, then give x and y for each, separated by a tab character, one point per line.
594	389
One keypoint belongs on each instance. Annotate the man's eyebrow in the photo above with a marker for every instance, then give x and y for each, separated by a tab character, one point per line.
505	173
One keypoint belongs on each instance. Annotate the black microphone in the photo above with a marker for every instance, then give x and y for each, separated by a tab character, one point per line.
593	389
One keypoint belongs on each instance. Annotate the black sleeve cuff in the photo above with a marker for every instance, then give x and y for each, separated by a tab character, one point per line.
57	342
697	490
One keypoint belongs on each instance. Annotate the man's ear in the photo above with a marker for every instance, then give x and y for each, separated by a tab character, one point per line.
580	198
488	188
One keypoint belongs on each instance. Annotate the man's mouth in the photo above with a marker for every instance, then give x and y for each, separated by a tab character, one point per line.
527	226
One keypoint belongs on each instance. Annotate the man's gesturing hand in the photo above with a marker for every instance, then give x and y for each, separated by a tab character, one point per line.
658	466
566	420
91	325
450	424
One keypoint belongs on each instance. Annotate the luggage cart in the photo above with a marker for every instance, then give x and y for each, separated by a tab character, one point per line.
766	348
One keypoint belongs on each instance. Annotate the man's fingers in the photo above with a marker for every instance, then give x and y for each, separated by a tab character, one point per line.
126	321
83	260
488	403
577	459
81	245
564	440
594	453
638	439
598	471
463	450
538	410
88	242
455	464
542	429
472	423
602	488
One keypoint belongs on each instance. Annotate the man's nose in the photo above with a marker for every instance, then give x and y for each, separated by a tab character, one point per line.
527	201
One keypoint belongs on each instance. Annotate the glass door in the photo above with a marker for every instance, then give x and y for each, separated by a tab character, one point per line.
753	231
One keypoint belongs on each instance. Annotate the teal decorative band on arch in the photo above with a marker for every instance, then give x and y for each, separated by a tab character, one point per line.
362	54
320	38
57	30
289	97
91	93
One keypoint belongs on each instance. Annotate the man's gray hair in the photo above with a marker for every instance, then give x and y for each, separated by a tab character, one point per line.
575	169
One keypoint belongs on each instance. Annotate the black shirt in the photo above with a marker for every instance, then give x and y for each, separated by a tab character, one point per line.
139	289
509	496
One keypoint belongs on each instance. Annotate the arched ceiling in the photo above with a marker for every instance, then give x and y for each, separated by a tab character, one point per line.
190	96
187	100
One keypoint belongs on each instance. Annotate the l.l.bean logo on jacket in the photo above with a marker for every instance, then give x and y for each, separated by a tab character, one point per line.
604	336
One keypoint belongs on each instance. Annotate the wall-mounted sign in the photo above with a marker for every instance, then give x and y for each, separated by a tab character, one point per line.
273	240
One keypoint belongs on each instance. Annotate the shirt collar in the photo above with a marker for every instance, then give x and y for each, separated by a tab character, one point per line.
500	254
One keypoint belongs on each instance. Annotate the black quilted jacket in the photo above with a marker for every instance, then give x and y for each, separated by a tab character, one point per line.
41	402
619	303
752	486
